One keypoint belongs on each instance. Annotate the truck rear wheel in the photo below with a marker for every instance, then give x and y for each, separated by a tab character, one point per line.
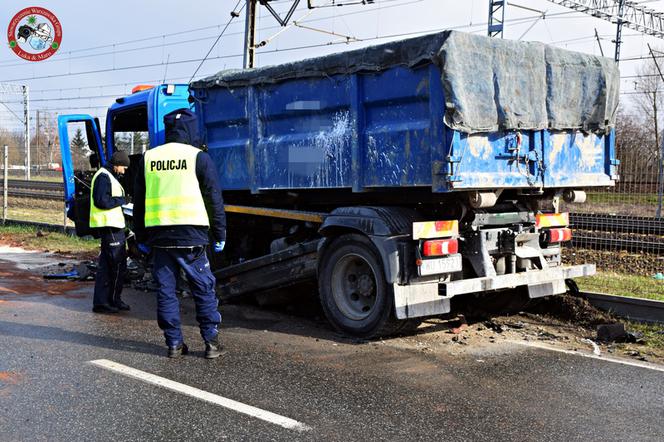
354	294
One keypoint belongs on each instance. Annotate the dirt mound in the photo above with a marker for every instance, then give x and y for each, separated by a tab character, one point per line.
571	308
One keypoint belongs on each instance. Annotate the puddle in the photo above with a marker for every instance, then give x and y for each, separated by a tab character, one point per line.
22	275
29	259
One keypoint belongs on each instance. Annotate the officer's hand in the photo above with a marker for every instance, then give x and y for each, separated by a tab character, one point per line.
219	246
144	248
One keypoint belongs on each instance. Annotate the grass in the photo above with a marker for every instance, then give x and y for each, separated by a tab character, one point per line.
28	238
628	198
623	285
50	178
652	334
29	209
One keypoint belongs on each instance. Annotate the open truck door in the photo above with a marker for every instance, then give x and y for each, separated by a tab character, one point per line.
82	155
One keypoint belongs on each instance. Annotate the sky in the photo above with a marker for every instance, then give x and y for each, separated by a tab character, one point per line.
109	47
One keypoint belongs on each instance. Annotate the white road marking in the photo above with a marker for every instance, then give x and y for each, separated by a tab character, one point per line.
590	356
202	395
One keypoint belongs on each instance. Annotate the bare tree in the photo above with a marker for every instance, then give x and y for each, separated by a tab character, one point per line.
650	103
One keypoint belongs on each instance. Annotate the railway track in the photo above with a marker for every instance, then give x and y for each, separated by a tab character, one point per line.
34	185
617	223
44	190
647	244
592	230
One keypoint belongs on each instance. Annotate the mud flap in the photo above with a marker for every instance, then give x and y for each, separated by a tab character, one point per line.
418	300
547	289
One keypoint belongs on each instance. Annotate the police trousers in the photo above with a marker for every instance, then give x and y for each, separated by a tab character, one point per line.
166	266
111	267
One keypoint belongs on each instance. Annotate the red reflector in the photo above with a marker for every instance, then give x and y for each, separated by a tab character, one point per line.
440	247
560	235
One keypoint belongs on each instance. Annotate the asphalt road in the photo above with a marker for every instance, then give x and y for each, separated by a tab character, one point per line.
297	368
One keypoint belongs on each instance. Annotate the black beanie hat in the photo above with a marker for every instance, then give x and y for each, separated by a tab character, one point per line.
120	158
181	126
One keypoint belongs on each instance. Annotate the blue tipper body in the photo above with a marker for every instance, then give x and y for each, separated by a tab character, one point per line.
365	131
383	128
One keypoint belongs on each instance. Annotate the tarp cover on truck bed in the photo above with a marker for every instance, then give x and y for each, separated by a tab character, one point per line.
490	84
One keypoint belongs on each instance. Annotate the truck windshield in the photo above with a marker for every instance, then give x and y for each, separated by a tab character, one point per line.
133	142
130	133
130	130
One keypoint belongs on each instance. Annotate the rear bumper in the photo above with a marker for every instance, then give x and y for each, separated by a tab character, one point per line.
428	299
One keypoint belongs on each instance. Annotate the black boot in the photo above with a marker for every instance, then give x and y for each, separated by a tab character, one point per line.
177	351
104	308
121	305
213	349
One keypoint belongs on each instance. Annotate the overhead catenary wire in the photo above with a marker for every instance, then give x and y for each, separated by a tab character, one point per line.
404	34
234	14
58	57
512	21
12	112
522	20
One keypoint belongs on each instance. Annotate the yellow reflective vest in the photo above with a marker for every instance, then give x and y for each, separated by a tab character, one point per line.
172	193
106	217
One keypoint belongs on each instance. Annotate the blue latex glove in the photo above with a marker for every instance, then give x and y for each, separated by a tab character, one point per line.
144	248
219	246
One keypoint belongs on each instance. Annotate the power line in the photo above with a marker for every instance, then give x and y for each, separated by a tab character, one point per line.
233	15
60	55
114	69
12	112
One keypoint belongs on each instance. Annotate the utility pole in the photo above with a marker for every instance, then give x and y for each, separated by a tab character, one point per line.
39	160
660	146
619	25
250	35
250	26
26	121
496	18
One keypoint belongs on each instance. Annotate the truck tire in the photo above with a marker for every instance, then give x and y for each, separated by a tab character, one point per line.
356	298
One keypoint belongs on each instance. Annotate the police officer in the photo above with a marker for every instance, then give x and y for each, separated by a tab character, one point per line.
177	204
107	219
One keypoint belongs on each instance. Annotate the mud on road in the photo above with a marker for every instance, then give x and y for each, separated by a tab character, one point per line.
563	322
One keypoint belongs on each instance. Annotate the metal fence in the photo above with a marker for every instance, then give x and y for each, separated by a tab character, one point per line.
39	199
621	228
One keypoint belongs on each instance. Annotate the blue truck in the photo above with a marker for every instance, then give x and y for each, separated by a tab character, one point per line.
398	176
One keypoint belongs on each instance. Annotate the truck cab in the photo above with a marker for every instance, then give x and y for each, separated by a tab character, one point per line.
133	123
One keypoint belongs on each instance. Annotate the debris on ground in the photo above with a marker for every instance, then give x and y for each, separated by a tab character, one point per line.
460	325
617	333
84	271
573	309
494	326
596	349
611	332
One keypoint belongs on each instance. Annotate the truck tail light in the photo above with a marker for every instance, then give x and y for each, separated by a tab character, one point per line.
440	247
545	220
559	235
